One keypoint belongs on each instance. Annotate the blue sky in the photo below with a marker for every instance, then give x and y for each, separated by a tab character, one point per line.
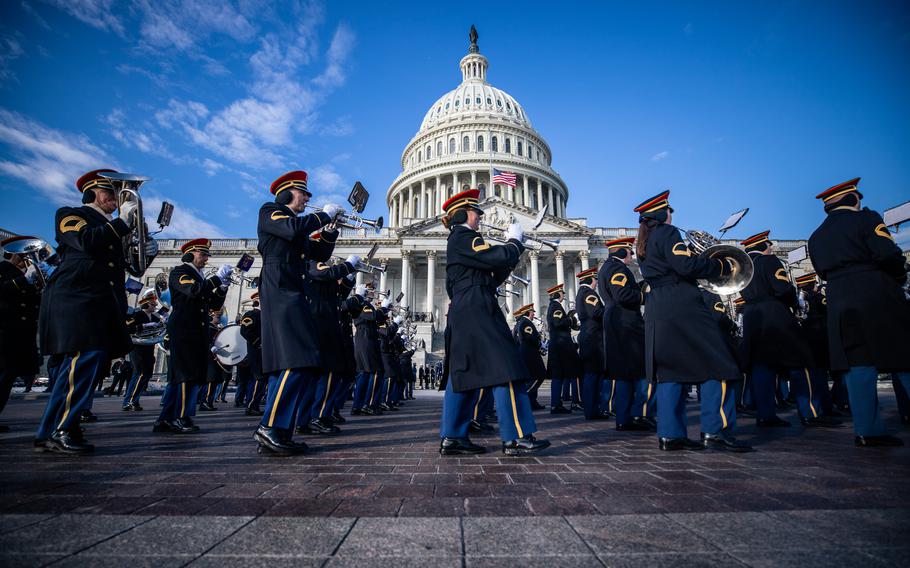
729	104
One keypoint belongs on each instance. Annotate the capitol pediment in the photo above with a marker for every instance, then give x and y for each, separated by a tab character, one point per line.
500	213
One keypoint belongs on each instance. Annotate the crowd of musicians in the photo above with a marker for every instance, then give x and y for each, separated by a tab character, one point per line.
623	349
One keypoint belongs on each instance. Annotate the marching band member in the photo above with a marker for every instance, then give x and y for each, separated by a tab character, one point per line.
590	311
290	353
562	353
624	337
528	340
251	330
389	350
192	297
323	278
814	328
367	355
479	348
773	342
683	344
215	373
348	304
83	309
142	356
405	359
20	299
868	313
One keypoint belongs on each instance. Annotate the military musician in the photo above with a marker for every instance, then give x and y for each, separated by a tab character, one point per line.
367	355
83	309
290	350
479	348
251	330
590	310
529	344
193	296
20	298
868	312
142	356
215	373
813	316
624	338
562	352
683	344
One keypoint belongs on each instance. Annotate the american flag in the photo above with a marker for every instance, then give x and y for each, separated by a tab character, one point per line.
507	178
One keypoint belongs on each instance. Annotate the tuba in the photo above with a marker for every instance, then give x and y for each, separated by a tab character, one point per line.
35	252
705	244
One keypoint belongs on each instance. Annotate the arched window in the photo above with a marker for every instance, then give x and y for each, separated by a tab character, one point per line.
457	103
465	144
467	100
451	145
494	144
477	100
508	145
497	191
428	151
465	187
530	151
483	190
419	156
519	148
439	149
480	143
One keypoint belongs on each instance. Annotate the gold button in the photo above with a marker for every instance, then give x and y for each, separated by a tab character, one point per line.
303	256
23	318
23	305
112	283
111	264
110	247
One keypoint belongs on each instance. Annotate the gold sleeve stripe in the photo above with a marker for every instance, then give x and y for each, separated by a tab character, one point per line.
882	231
481	246
557	314
186	280
680	249
246	321
618	279
322	266
718	307
591	300
278	215
781	274
529	331
72	223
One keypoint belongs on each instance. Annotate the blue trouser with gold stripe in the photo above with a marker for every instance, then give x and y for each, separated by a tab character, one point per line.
556	391
483	404
342	393
512	407
621	402
590	393
72	393
862	388
645	400
365	389
607	393
178	401
304	409
256	392
324	396
718	408
283	399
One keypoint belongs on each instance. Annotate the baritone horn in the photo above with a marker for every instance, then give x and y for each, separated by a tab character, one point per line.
34	251
135	245
705	244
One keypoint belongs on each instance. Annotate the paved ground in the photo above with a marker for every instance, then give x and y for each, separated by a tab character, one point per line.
380	493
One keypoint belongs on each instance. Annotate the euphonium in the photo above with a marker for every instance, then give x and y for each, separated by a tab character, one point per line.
134	244
705	244
31	250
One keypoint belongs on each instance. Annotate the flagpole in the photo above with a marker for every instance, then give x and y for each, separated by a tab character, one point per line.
490	144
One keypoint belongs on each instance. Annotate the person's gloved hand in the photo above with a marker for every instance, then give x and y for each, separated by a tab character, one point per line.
151	247
386	302
514	231
224	272
149	325
31	273
127	212
353	260
398	320
351	277
360	290
332	210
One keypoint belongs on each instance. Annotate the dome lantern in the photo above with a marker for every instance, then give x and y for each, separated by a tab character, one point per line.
474	65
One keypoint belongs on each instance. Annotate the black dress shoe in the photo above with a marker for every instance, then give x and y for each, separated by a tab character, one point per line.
634	427
724	442
478	427
537	406
676	444
253	411
276	441
338	418
161	427
68	443
356	412
127	408
87	416
394	407
821	422
207	407
884	440
385	406
188	421
647	421
458	446
181	426
524	446
576	406
323	427
773	422
304	430
560	410
136	407
40	445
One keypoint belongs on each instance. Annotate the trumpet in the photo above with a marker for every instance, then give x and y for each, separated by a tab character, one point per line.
553	244
362	266
705	244
352	221
504	291
516	279
31	249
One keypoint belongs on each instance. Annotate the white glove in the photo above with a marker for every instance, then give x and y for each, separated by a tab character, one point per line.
351	277
224	271
386	302
214	349
151	247
332	210
127	211
398	320
31	273
149	325
515	232
353	260
361	290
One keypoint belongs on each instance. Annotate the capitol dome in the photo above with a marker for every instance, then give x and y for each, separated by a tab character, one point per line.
466	134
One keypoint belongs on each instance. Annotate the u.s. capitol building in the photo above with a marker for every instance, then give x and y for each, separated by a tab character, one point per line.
465	134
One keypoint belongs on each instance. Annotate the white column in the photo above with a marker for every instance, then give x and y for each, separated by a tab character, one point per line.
474	181
383	280
526	193
431	279
422	200
552	203
409	210
358	279
560	269
584	260
535	281
510	301
571	288
440	197
405	276
398	209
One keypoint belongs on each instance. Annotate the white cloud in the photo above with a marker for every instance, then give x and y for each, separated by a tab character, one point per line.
10	50
660	156
185	222
211	167
689	29
341	127
99	14
342	44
